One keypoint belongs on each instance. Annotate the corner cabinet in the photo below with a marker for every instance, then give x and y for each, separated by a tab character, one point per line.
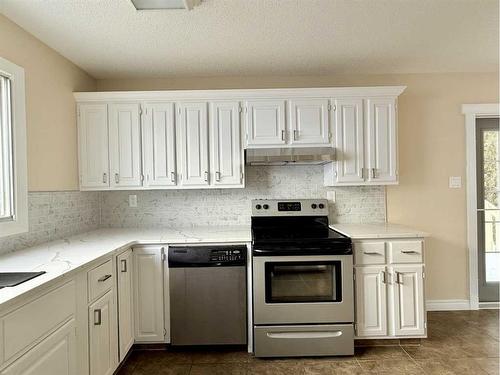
389	288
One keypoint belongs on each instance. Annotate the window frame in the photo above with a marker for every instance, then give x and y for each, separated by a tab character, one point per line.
19	224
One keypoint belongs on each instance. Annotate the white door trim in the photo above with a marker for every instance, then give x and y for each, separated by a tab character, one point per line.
472	112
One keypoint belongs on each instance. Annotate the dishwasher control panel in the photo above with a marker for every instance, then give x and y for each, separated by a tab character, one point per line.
207	256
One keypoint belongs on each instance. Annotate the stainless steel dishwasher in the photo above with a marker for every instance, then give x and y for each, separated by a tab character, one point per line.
208	295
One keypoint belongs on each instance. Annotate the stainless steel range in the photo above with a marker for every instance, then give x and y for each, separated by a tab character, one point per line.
302	281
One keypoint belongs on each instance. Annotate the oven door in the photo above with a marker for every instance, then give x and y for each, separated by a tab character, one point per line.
303	289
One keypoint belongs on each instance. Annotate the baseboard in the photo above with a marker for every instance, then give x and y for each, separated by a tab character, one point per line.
489	305
447	304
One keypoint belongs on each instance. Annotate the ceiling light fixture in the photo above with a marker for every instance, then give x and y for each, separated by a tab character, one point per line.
165	4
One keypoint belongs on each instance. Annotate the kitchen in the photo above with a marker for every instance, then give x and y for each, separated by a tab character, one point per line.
235	223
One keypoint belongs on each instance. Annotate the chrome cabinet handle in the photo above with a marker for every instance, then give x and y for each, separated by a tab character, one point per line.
117	178
371	253
217	176
362	173
282	135
398	279
409	252
373	173
384	278
206	176
172	176
97	317
124	265
295	135
103	278
104	178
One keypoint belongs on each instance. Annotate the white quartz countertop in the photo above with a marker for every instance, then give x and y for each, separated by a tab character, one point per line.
64	257
383	230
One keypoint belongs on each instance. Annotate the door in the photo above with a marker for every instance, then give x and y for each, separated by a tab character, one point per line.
125	303
371	301
349	140
102	336
227	153
408	308
193	144
125	145
309	122
93	146
265	122
148	294
488	187
54	355
303	289
159	145
382	140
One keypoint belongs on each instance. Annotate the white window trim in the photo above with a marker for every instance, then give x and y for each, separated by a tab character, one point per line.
20	222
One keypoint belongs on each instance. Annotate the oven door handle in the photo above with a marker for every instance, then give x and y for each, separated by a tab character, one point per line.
304	335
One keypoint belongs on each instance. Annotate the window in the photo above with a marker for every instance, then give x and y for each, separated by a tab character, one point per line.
13	180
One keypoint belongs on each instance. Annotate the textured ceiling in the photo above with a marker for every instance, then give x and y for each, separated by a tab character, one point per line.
110	39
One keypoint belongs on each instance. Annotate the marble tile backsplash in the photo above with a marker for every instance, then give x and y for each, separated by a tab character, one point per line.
54	215
232	206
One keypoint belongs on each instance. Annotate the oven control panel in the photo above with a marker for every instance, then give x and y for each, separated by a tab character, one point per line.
289	207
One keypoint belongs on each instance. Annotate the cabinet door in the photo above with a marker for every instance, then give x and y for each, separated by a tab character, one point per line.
227	155
125	303
371	301
349	142
124	145
309	122
382	142
193	144
93	146
265	122
408	297
54	355
148	294
102	336
159	145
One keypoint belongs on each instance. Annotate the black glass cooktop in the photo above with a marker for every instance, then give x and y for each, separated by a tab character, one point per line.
8	279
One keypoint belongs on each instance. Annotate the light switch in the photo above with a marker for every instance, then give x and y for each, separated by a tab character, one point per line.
132	200
455	182
330	196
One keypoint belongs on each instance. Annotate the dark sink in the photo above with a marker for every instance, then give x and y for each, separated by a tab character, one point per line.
16	278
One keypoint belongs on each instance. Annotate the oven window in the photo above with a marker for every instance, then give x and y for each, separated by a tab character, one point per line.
295	282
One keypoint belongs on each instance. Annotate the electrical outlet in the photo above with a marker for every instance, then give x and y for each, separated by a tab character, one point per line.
132	200
330	196
455	182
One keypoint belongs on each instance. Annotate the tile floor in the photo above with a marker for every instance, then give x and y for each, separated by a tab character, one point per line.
460	342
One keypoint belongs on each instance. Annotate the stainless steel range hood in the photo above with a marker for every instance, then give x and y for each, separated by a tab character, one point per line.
290	156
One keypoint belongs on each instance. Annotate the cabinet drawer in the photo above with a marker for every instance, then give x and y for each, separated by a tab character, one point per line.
405	252
369	252
29	323
100	280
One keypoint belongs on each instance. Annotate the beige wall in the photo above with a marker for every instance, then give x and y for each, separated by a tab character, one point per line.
50	107
431	148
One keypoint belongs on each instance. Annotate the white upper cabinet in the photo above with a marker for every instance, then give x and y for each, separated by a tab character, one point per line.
93	146
124	145
349	140
309	122
265	121
226	151
193	144
381	140
159	151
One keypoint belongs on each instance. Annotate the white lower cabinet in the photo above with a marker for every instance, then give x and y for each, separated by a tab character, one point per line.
102	336
125	303
148	294
54	355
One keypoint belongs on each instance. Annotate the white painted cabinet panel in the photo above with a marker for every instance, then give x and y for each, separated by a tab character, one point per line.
159	151
125	303
124	145
309	122
408	297
148	294
381	140
226	151
371	301
102	336
193	144
265	121
56	354
349	140
93	146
